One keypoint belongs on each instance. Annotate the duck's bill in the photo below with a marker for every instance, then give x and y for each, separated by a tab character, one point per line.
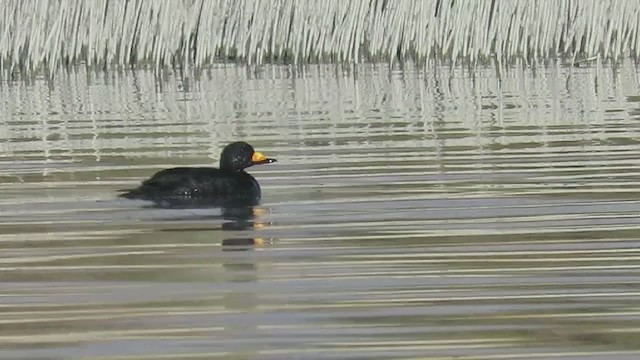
259	158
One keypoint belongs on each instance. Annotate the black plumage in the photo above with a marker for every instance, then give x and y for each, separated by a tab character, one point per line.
228	185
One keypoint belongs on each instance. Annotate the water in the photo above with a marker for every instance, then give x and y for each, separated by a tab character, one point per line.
412	214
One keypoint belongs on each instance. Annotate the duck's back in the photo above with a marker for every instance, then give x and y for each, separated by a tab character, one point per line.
198	183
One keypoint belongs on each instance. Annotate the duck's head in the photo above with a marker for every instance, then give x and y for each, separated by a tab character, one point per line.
240	155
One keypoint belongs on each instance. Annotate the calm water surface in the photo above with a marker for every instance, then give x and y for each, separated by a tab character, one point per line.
412	214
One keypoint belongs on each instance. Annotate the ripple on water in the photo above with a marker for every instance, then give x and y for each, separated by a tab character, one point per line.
411	214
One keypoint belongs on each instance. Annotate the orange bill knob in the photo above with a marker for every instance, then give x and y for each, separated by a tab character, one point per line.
260	158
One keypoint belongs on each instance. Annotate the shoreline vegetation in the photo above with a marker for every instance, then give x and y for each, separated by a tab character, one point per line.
39	36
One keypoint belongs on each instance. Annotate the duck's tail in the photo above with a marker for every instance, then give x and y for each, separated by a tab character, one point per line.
130	193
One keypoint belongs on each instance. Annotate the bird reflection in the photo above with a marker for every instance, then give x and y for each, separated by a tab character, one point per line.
236	217
241	244
242	218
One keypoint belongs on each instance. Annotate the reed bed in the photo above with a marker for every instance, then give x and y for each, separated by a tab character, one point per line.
44	35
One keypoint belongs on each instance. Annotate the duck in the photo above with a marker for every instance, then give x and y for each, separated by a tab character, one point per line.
229	184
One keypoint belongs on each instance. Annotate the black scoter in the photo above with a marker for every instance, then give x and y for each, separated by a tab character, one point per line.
229	184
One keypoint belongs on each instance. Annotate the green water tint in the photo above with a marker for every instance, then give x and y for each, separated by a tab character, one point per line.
410	215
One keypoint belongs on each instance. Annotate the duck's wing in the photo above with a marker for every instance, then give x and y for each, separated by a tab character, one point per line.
180	181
